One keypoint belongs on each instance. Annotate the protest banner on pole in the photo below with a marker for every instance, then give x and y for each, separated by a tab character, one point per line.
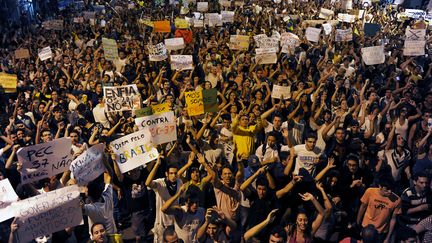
134	150
181	23
227	16
181	62
47	213
162	26
174	44
266	55
343	35
210	100
122	98
110	49
373	55
160	108
281	91
326	13
414	48
22	53
45	160
89	165
239	42
289	41
54	24
162	127
45	53
7	197
313	34
194	103
8	82
202	6
157	52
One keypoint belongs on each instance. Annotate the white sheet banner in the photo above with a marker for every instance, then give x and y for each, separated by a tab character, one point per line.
162	127
122	98
181	62
373	55
7	197
348	18
89	165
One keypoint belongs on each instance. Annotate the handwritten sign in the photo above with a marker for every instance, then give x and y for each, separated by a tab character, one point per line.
89	165
239	42
348	18
414	48
89	15
22	53
198	23
327	28
146	111
162	127
8	82
122	98
194	103
110	49
174	44
210	100
268	42
373	55
414	13
202	6
162	26
181	62
227	16
45	53
160	108
415	34
157	52
7	197
326	13
266	55
281	91
47	213
54	24
181	23
45	160
289	42
313	34
134	150
343	35
213	19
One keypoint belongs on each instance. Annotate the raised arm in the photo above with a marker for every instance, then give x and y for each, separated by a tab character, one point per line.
257	228
186	166
168	207
149	182
319	219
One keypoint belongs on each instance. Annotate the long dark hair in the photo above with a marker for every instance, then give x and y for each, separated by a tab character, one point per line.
293	227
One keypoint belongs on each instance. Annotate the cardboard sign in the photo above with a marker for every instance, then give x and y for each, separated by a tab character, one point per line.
266	55
110	49
89	165
22	53
134	150
160	108
55	24
343	35
415	34
45	53
181	23
47	213
8	82
347	18
210	100
181	62
213	19
194	103
373	55
174	44
268	42
327	28
122	98
414	48
326	13
198	23
281	91
7	197
227	16
202	6
45	160
162	26
162	127
239	42
289	42
313	34
157	52
371	29
225	3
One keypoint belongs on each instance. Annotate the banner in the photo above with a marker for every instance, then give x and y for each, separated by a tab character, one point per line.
414	48
122	98
55	24
89	165
326	13
162	127
174	44
373	55
210	100
8	82
181	62
343	35
22	53
227	16
157	52
181	23
162	26
45	53
202	6
279	91
289	41
266	55
7	197
110	49
78	20
194	103
239	42
160	108
45	160
47	213
134	150
313	34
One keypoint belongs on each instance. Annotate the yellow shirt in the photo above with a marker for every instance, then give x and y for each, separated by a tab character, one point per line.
244	137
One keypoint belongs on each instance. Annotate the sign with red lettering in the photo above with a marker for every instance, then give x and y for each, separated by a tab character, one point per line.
161	126
45	160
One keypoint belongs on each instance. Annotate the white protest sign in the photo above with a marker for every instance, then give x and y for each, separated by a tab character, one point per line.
415	34
348	18
174	44
279	91
122	98
343	35
110	49
162	127
326	13
202	6
327	28
181	62
229	151
414	13
89	14
157	52
89	165
213	19
289	41
7	197
266	55
373	55
414	48
45	160
258	38
198	23
227	16
45	53
47	213
225	3
268	42
313	34
134	150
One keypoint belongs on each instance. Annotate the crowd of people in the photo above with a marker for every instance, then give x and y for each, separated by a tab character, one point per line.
346	158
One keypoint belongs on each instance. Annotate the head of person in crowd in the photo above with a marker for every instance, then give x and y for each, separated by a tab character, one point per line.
352	163
171	173
98	233
310	141
192	199
369	234
170	236
421	182
406	234
385	184
227	175
46	135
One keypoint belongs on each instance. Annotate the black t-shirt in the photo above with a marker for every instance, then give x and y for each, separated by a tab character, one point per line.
138	192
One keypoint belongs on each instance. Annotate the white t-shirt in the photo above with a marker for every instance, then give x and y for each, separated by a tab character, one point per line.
99	116
306	159
162	195
187	224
